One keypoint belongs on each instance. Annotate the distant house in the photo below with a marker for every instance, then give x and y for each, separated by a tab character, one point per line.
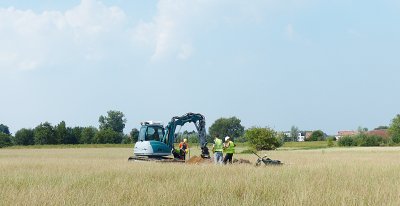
381	132
301	137
345	133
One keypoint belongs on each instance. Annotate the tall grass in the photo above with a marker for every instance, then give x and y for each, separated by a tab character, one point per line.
103	176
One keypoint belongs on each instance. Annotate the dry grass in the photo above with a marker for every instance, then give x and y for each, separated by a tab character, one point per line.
103	176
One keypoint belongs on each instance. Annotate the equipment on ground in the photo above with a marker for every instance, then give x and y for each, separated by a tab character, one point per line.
157	143
267	161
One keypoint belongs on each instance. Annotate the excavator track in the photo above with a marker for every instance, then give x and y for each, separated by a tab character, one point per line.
155	159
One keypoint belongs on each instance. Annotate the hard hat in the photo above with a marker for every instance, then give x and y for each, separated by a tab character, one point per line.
184	140
226	138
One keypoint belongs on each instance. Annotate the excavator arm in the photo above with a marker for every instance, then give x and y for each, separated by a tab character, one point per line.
200	124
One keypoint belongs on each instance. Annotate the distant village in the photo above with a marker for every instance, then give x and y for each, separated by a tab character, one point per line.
303	135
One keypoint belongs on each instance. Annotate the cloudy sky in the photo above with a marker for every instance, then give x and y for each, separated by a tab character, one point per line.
330	65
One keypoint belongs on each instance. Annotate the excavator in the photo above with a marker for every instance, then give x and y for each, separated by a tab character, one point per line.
156	143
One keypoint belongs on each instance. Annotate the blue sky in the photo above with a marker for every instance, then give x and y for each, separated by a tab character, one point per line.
330	65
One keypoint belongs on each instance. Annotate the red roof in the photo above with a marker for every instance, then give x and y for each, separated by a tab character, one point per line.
381	133
347	133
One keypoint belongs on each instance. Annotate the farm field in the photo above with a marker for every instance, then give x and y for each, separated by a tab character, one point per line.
103	176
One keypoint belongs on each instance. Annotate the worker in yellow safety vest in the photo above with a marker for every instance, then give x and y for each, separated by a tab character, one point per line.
229	148
217	149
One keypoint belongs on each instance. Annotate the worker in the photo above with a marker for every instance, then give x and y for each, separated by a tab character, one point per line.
229	148
217	149
184	148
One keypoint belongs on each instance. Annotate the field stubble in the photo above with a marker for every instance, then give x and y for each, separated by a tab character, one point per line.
103	176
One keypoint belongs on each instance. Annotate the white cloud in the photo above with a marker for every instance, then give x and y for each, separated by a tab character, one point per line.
31	40
174	29
289	31
185	51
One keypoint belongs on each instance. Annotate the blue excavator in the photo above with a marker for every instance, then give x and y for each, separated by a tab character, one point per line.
156	143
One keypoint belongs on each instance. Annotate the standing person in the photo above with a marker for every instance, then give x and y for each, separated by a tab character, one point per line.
183	148
217	150
229	148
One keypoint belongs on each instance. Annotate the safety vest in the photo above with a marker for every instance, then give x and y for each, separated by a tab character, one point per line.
218	145
231	148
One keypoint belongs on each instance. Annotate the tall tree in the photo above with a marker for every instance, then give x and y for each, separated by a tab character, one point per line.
5	140
61	132
134	135
317	135
73	135
24	137
44	134
294	133
87	135
4	129
227	127
114	120
394	129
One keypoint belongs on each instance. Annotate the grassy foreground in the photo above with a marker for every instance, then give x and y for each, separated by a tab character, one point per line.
103	176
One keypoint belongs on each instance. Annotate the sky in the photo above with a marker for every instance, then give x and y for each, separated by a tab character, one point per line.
329	65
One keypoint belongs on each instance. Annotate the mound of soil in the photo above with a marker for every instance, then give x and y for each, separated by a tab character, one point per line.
241	161
197	160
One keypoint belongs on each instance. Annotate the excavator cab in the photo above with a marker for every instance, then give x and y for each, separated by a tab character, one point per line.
149	140
150	132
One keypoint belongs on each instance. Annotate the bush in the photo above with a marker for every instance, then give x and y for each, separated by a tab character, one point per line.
24	137
370	140
263	138
330	142
126	139
347	141
5	140
396	139
317	135
108	136
362	139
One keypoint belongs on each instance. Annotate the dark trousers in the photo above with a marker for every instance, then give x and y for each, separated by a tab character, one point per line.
183	154
228	157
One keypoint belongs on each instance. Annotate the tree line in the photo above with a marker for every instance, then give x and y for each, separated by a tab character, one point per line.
111	126
110	131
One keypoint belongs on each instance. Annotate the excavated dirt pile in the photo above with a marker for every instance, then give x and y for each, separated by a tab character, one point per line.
198	160
241	161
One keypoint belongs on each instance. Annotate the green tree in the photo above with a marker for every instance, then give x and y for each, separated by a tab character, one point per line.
44	134
317	135
381	128
5	140
108	136
87	136
73	135
24	137
4	129
394	129
126	139
294	133
263	138
193	138
61	132
114	120
227	127
347	141
134	134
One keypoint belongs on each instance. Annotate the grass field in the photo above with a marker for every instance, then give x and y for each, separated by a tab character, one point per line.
103	176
